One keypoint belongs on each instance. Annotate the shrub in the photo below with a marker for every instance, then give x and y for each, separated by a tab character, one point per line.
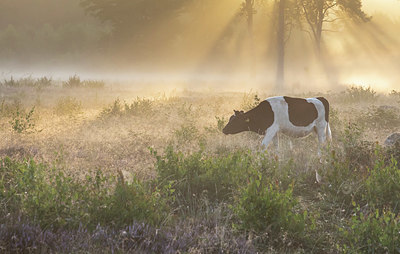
197	175
138	107
358	152
264	207
344	182
380	117
73	82
383	186
221	122
50	198
43	82
132	202
23	122
10	82
249	101
68	106
115	109
38	83
186	133
377	232
95	84
22	82
76	82
359	94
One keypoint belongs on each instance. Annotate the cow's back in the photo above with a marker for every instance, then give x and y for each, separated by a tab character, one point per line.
296	116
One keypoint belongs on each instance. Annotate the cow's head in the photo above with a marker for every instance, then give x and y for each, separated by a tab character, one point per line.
237	123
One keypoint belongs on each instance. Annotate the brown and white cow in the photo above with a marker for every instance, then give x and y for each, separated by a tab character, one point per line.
295	117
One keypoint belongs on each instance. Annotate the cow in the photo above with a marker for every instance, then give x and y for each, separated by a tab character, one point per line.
295	117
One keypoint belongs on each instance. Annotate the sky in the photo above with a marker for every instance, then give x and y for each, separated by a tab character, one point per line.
391	7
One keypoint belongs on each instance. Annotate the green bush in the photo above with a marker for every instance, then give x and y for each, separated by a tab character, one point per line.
22	122
131	202
344	182
382	187
264	207
50	198
198	174
377	232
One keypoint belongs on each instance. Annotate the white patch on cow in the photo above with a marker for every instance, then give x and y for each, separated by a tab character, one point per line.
282	123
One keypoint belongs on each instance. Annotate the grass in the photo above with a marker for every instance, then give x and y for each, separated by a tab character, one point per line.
131	171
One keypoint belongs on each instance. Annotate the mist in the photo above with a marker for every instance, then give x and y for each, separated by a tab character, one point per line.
198	45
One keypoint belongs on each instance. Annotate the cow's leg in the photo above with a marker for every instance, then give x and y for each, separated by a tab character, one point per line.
270	133
321	132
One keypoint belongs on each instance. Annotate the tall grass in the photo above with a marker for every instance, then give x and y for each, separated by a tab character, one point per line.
196	190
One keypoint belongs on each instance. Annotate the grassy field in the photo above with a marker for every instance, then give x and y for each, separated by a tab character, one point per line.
92	167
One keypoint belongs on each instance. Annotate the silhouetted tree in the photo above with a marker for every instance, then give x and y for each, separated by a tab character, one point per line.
286	12
133	18
248	10
281	44
318	12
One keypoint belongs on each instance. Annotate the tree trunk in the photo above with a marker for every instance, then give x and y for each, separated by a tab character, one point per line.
250	11
281	46
320	22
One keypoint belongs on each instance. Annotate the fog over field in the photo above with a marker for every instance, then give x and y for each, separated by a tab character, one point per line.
174	43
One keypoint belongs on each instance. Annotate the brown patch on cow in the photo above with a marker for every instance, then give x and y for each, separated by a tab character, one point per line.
260	117
326	106
301	112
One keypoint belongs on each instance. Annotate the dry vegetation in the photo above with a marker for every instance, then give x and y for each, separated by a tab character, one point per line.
136	136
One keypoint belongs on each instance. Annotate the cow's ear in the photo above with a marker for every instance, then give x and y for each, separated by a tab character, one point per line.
236	112
241	112
247	120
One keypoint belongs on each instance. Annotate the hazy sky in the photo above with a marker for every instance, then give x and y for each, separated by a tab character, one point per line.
391	7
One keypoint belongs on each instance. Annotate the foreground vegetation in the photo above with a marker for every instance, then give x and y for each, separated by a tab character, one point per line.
110	173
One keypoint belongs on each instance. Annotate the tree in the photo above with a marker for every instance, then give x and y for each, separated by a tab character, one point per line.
318	12
287	13
280	44
133	18
248	11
